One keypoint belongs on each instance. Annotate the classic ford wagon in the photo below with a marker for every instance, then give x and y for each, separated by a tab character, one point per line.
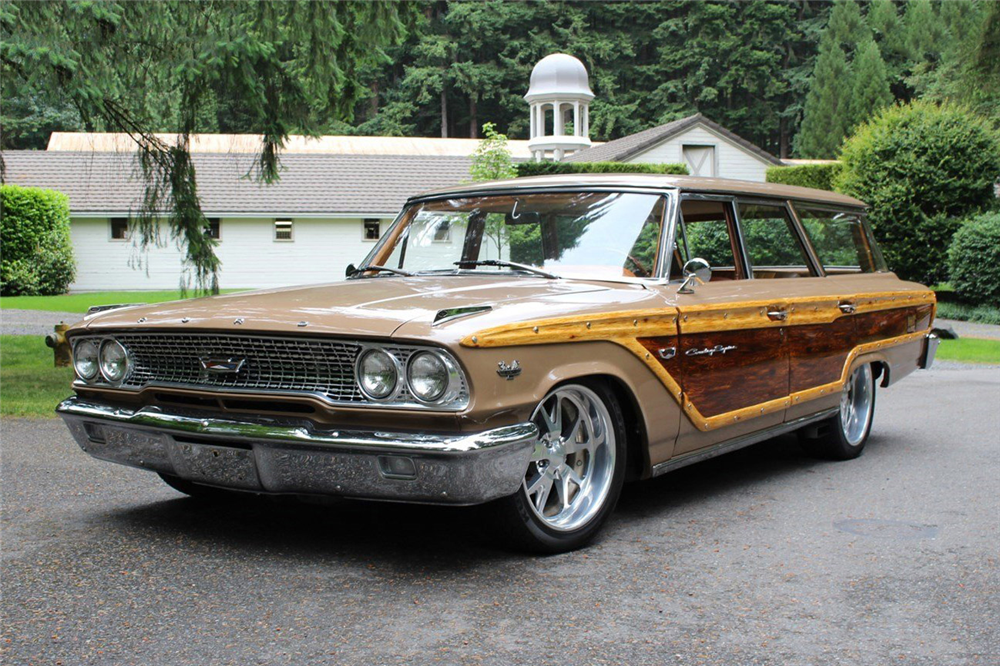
531	343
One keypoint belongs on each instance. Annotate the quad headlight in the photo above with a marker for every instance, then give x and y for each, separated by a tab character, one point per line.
428	376
378	374
85	360
114	361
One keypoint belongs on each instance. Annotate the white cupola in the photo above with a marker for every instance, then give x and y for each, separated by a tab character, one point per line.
559	95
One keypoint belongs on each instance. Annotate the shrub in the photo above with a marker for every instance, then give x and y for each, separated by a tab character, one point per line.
974	260
553	168
34	234
816	176
920	167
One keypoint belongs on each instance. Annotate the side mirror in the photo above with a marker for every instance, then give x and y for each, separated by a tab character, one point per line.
697	271
351	270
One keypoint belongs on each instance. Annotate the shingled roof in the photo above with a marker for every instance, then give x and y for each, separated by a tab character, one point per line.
105	183
629	146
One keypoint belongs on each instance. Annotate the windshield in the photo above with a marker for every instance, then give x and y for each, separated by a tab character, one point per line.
580	234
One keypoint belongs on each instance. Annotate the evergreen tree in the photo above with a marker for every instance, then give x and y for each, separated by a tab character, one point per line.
144	67
827	105
847	25
869	84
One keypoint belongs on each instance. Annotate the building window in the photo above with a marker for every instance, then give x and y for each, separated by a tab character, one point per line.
372	229
283	230
442	232
700	160
119	228
214	228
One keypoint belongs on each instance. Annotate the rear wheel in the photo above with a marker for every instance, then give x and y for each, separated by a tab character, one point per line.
576	471
844	435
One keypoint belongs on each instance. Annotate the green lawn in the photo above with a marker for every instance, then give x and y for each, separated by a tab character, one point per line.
29	385
970	350
80	302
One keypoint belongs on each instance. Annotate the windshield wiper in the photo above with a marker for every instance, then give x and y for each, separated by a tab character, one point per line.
508	264
375	267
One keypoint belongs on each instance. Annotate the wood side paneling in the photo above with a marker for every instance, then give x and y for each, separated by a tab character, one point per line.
817	353
775	364
753	371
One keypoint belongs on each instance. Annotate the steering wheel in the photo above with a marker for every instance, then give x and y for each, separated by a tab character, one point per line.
635	262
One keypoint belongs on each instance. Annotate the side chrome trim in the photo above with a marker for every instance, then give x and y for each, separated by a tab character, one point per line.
738	443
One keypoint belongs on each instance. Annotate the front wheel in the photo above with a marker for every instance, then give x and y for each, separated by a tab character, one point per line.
845	434
576	471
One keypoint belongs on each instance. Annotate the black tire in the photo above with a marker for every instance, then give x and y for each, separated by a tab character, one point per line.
198	491
520	523
830	438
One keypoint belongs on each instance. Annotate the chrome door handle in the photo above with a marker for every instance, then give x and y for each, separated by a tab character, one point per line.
777	315
848	308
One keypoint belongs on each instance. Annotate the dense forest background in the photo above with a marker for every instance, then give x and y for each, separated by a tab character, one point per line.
792	76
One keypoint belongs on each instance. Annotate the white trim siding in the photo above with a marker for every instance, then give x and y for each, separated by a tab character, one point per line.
321	250
731	160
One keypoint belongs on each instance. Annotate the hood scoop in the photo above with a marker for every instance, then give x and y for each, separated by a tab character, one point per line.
450	314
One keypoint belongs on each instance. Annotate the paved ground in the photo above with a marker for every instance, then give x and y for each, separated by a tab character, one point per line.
761	557
34	322
966	329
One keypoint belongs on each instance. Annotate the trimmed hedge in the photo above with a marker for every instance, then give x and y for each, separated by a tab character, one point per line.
922	168
974	260
816	176
34	234
525	169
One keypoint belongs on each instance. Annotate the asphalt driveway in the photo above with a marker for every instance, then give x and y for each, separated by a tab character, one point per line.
761	557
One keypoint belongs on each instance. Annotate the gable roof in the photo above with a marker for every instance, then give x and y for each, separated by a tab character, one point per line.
629	146
101	142
104	183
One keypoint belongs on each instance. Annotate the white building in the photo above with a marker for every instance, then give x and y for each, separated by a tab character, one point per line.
325	212
336	194
707	148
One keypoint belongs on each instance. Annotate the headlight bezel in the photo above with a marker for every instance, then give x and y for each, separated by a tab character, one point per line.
96	359
397	369
111	343
453	377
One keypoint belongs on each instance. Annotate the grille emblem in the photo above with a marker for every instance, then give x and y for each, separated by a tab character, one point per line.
222	366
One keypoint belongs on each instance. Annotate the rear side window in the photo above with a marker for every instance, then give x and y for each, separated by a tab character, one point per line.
772	243
842	241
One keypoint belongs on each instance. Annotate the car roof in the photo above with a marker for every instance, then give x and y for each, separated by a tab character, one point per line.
655	181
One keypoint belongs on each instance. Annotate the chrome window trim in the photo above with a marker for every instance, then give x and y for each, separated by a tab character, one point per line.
861	213
811	264
668	193
730	199
405	400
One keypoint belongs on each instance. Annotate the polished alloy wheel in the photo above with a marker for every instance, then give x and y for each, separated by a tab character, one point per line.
855	405
573	462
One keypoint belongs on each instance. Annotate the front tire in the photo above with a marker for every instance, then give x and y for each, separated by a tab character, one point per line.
576	471
843	436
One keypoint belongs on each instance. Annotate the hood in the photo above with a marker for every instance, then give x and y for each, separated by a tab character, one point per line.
375	307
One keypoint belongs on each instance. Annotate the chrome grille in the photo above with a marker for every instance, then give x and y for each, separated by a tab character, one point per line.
295	365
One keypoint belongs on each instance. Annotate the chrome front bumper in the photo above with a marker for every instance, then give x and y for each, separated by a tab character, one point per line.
274	456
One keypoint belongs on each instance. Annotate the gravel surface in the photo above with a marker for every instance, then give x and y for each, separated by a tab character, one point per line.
34	322
966	329
760	557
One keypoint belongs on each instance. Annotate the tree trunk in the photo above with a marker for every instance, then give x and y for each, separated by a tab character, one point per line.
473	120
783	138
444	115
373	102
